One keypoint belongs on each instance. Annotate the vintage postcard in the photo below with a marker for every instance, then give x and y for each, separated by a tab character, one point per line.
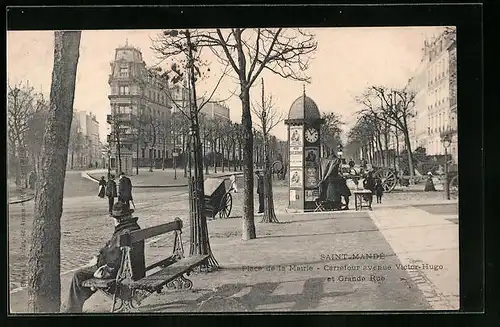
137	137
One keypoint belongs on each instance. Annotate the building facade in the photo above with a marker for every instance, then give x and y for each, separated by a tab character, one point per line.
140	111
435	85
216	111
85	143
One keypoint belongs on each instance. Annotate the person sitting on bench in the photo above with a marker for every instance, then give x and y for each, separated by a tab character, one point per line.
107	263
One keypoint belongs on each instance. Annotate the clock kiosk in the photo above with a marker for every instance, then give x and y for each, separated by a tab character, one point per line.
304	128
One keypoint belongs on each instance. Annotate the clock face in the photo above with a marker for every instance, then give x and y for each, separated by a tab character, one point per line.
311	135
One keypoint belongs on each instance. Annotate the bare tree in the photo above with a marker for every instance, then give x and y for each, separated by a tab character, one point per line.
393	107
184	50
267	118
330	132
44	286
248	52
20	111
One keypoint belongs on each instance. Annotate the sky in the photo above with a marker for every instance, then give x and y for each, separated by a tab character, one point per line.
347	61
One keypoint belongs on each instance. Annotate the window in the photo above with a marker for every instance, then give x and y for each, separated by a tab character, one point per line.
143	152
124	71
124	90
154	153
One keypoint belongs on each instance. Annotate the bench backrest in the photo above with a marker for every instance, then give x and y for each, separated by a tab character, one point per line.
144	234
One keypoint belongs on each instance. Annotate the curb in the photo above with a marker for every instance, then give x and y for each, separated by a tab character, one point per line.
22	200
95	180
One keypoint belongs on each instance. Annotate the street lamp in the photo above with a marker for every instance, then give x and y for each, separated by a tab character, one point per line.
446	144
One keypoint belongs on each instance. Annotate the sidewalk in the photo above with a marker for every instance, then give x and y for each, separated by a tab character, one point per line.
158	177
429	243
250	278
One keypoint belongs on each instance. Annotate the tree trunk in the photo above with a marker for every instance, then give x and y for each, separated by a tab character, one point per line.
72	158
410	157
248	228
44	285
214	152
240	161
137	158
269	214
222	149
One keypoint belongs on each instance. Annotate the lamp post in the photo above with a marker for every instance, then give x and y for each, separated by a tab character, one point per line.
446	144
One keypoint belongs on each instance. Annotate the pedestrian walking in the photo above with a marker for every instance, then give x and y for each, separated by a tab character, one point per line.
379	190
233	186
345	192
125	189
369	184
102	188
111	192
260	190
429	183
107	263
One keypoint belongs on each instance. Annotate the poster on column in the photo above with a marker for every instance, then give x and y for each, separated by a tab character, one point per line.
312	177
296	135
296	178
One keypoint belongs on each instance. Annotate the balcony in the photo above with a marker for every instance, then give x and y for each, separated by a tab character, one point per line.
121	118
124	139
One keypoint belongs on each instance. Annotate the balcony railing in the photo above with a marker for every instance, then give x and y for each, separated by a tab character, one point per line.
121	118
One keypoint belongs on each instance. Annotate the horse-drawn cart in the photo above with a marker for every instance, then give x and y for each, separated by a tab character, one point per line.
217	199
388	176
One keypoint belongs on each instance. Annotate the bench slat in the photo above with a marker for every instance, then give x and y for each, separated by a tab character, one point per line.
162	277
98	282
168	261
143	234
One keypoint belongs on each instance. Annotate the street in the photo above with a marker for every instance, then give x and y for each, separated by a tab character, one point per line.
86	226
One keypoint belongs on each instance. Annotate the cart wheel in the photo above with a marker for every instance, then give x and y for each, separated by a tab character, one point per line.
226	206
388	179
454	187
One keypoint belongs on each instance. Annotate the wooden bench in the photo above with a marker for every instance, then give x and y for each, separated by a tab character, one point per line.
359	199
126	293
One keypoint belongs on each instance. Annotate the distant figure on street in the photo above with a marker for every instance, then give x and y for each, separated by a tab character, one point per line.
379	190
260	191
352	163
429	184
369	184
107	263
111	192
345	192
102	188
233	186
124	189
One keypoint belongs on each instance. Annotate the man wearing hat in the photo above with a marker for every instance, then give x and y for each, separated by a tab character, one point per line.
124	189
107	262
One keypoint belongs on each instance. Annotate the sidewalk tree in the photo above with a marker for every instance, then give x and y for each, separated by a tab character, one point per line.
268	118
36	128
248	51
44	265
393	107
183	50
21	108
331	131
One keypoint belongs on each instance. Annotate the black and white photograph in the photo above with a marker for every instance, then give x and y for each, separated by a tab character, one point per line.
161	170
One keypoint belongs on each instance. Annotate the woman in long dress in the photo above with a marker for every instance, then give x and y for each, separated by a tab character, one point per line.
331	180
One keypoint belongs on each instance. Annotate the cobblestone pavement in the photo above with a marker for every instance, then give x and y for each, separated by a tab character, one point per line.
85	225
